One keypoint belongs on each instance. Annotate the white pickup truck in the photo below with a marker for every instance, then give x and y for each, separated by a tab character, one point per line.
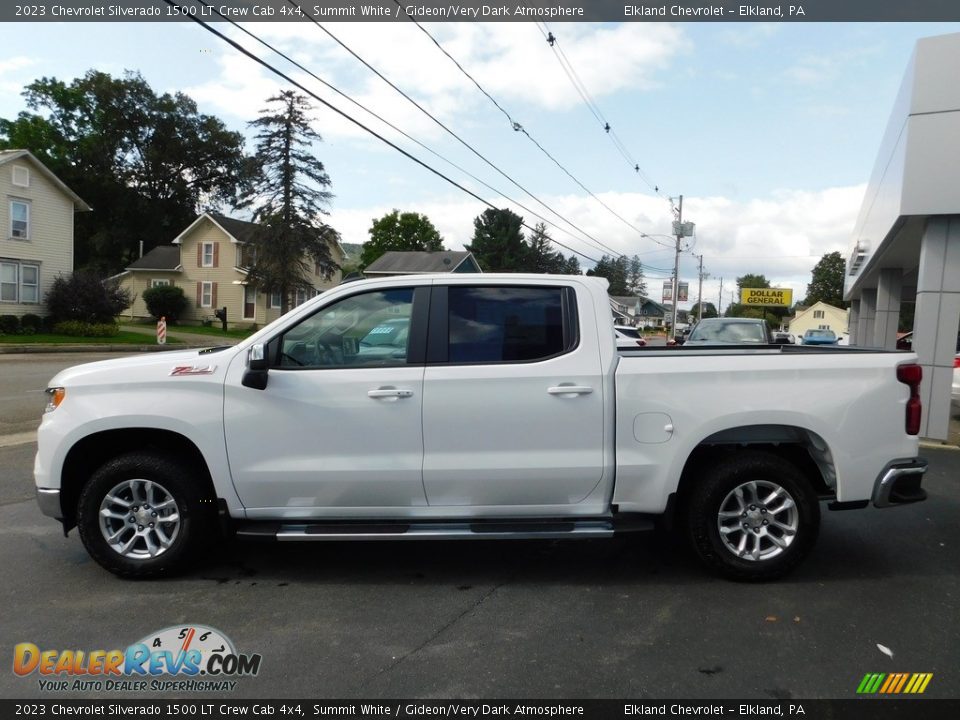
473	406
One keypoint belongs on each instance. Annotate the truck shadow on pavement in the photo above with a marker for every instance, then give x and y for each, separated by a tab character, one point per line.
906	541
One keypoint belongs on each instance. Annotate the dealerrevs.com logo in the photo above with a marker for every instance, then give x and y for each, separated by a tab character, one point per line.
181	658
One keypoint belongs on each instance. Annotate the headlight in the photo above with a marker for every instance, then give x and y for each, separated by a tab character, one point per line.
55	396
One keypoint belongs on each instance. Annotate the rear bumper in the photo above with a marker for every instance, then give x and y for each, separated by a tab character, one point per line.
49	501
899	483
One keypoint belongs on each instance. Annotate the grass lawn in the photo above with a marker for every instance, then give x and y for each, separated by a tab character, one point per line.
213	330
123	338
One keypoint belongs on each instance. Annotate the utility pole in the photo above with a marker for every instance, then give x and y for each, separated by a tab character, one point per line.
700	292
720	300
681	230
678	225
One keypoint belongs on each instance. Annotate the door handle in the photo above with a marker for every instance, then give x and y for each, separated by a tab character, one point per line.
570	390
389	393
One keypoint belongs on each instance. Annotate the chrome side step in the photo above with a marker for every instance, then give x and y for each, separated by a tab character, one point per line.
488	530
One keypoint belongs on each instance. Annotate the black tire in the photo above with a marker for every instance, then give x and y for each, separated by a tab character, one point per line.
181	488
756	473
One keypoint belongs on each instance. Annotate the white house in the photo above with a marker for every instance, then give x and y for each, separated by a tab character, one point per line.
36	244
819	316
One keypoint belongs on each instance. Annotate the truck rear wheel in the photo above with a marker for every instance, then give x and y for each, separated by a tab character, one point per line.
754	516
143	515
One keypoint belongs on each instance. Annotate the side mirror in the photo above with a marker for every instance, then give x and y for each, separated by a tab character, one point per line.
256	374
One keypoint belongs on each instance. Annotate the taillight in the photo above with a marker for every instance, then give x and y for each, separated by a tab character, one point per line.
956	362
911	375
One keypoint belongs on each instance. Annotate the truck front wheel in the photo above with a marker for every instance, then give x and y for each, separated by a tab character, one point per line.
753	516
142	515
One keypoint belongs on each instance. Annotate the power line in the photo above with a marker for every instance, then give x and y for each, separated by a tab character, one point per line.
463	142
394	127
346	116
570	71
517	126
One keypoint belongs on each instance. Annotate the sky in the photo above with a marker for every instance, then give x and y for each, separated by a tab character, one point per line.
768	131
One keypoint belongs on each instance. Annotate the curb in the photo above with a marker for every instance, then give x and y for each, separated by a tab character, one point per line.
937	445
52	348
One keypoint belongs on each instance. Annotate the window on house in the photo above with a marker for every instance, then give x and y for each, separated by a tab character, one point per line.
9	280
245	256
301	296
159	282
249	302
29	284
20	219
206	259
21	176
206	294
19	282
818	314
824	327
274	301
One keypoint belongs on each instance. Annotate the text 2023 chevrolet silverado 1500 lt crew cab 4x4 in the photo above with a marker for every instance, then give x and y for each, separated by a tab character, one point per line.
484	407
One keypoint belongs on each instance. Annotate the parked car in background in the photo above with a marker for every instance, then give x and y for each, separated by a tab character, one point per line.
784	338
819	337
730	331
628	337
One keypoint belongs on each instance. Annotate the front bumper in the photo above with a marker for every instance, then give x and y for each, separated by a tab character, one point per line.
49	501
899	483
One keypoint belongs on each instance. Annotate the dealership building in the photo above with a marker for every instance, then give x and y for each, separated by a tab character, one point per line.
906	243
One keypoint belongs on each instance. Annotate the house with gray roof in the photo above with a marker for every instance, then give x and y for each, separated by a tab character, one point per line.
209	261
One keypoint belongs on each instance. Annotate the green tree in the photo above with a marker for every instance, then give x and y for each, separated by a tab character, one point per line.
85	297
636	282
289	194
738	309
615	270
709	310
752	281
165	301
572	266
540	255
400	231
826	284
498	241
146	163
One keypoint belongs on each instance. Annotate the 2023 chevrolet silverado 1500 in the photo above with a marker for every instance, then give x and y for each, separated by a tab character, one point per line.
493	406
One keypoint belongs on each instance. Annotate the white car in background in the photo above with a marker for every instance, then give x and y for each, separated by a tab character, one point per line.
628	337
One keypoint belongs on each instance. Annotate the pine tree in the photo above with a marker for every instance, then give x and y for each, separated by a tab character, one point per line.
498	241
540	257
289	196
636	282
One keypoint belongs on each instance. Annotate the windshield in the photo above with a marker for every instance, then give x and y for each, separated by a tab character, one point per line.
729	332
821	333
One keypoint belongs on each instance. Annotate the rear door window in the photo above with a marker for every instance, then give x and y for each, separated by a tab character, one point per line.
505	324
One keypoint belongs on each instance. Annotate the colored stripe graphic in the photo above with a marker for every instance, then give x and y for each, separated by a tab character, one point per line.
894	683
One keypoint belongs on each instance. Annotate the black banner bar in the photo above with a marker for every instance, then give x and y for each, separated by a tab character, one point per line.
474	11
204	708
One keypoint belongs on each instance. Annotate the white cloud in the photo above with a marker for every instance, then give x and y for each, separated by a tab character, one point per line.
15	63
512	61
782	236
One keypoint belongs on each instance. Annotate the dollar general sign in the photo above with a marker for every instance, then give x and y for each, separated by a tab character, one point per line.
766	296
